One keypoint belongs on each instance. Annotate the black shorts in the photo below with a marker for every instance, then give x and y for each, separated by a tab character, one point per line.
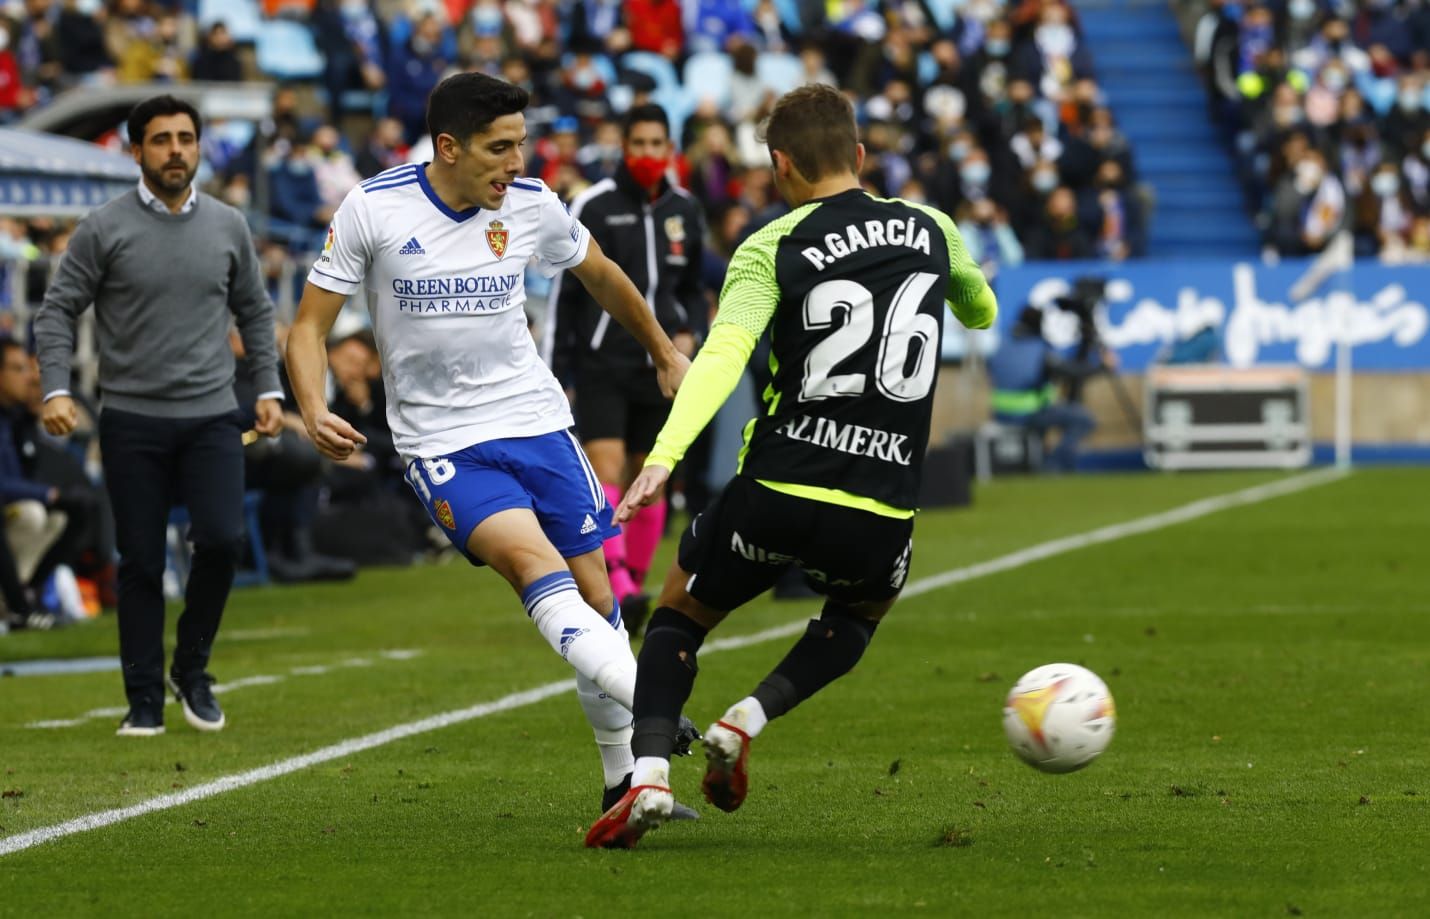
621	404
743	542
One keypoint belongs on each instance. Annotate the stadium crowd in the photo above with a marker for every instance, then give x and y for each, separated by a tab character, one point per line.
1328	105
988	110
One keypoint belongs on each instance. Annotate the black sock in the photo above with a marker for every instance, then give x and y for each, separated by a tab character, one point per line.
829	648
665	675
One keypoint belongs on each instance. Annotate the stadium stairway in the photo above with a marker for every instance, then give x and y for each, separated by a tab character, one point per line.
1152	86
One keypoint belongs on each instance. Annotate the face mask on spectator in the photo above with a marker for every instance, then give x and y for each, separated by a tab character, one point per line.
1335	80
584	78
1045	180
87	7
958	150
975	173
1410	100
487	19
1308	177
996	47
1385	184
1055	39
1287	114
1302	9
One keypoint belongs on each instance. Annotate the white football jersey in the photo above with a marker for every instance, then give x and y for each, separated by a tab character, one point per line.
445	291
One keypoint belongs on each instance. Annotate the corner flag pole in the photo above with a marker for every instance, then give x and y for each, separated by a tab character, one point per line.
1338	259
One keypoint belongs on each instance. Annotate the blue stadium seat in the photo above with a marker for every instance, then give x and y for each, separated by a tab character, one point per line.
655	66
707	76
780	72
241	16
286	51
789	13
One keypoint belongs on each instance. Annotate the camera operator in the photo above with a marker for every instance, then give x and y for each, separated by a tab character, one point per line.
1025	371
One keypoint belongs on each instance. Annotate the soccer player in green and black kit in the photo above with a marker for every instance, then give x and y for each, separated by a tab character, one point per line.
853	289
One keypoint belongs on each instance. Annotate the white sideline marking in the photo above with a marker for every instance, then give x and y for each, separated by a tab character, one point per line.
22	841
260	679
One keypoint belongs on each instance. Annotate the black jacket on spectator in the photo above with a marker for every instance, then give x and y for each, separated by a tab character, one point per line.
638	234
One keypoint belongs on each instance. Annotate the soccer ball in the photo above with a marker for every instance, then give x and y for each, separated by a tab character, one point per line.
1059	717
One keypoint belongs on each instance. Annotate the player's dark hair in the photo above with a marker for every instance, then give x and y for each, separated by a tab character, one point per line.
638	114
466	104
156	107
814	127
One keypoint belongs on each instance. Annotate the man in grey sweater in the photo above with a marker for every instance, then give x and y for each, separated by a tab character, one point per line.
168	269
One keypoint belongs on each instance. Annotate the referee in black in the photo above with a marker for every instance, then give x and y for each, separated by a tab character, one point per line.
168	270
654	230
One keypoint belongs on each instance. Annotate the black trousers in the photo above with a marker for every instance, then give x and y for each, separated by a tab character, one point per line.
151	464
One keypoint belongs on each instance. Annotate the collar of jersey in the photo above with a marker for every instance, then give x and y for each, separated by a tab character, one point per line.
459	216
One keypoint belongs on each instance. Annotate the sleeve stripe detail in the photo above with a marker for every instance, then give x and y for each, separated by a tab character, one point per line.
388	174
369	189
517	183
320	271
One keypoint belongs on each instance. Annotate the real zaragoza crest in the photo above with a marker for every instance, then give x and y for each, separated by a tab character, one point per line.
496	238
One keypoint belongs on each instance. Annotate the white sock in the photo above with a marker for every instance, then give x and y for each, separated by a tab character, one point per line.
582	636
611	724
748	715
651	770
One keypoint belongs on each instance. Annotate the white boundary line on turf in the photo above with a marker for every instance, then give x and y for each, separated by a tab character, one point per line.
259	679
22	841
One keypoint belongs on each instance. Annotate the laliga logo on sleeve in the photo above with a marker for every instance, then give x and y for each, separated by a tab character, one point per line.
496	238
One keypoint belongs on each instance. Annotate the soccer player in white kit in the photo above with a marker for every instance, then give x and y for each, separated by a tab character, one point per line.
439	251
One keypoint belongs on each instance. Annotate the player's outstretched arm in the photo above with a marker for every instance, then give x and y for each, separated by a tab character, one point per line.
609	286
308	366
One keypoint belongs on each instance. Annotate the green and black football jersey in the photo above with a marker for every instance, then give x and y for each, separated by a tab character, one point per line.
859	285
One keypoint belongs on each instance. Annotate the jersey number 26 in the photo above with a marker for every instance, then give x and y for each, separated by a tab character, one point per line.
907	351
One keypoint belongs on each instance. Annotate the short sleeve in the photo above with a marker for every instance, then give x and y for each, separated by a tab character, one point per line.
562	240
347	251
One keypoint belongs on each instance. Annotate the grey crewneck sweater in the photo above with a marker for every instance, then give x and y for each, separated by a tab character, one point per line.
164	288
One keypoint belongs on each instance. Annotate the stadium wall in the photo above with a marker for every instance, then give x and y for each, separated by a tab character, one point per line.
1151	304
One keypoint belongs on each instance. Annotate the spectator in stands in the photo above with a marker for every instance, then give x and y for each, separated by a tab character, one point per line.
714	25
217	58
294	197
1408	119
79	35
1059	235
148	48
1383	214
37	47
385	148
415	69
35	513
348	34
989	238
15	96
601	157
1416	169
1308	207
655	26
1115	215
1052	57
333	168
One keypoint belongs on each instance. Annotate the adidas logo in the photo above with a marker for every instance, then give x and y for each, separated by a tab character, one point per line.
413	247
568	636
589	526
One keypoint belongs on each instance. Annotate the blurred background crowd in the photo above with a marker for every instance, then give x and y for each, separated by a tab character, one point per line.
990	110
1327	104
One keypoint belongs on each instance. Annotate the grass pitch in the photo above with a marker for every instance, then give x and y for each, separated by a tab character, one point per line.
1269	664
